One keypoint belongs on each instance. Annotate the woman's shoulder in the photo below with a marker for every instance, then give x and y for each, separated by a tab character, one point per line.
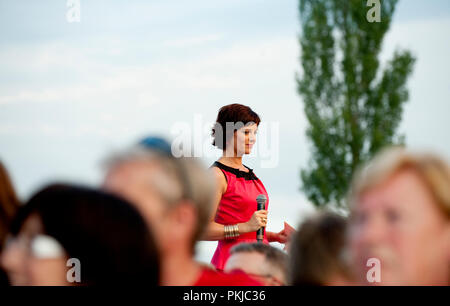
220	177
217	172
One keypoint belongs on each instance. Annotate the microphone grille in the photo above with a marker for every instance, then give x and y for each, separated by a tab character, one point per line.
261	198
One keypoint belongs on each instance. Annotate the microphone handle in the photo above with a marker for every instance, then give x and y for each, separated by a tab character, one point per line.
260	231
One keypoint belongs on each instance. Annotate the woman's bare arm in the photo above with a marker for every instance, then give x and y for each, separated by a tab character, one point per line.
215	231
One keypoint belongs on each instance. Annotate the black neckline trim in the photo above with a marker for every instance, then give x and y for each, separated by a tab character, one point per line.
239	173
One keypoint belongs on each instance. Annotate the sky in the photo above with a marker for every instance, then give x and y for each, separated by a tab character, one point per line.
72	93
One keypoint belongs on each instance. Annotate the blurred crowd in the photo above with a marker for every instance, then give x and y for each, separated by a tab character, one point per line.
142	224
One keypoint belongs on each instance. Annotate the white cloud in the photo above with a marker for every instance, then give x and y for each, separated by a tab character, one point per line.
223	69
192	41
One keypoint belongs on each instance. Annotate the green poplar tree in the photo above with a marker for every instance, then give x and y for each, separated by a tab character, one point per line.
353	105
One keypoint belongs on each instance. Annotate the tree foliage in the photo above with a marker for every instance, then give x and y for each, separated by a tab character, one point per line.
353	105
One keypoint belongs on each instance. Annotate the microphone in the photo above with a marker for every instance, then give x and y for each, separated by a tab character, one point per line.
261	204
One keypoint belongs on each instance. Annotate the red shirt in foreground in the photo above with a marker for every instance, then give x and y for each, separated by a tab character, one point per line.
209	277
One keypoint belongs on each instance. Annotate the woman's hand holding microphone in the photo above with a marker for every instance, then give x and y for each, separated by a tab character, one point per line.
258	220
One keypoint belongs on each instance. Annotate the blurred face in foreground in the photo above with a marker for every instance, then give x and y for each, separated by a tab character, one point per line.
130	181
399	223
28	261
255	265
172	226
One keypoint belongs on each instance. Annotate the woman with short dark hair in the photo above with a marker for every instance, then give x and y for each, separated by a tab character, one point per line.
236	219
68	235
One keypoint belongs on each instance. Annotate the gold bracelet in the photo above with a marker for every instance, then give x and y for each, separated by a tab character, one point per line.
227	231
231	231
236	230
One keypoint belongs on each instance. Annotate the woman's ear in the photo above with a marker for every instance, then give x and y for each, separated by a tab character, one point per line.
235	141
230	145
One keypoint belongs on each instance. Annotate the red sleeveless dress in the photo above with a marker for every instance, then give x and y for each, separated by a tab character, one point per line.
237	205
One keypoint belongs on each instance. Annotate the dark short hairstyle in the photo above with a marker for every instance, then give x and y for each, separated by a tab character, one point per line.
317	250
106	233
275	257
232	114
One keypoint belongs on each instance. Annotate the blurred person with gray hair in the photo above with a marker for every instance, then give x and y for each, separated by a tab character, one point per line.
260	261
175	197
400	219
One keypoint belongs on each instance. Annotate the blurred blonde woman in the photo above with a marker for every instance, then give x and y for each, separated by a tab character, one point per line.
400	216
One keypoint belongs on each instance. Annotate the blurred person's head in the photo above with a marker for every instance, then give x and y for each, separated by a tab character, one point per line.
173	194
9	203
260	261
104	237
317	252
400	213
235	129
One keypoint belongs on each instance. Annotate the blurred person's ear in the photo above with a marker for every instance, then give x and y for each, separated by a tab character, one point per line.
183	222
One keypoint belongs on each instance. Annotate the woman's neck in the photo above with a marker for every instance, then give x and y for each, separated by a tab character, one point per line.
234	161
